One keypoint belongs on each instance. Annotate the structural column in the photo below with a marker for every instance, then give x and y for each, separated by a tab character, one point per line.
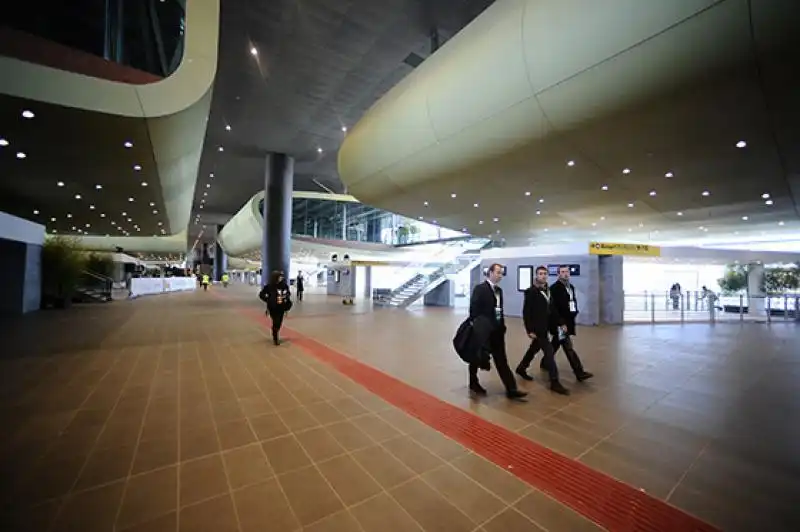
220	258
756	297
276	244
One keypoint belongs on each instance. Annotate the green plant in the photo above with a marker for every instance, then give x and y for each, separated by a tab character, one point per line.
100	264
734	280
779	280
62	264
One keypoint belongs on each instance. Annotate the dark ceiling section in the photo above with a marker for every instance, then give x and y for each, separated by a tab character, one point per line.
294	74
74	170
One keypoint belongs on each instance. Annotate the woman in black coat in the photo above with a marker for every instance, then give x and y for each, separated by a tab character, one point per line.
278	299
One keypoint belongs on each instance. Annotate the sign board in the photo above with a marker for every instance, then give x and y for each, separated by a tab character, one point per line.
524	277
610	248
574	269
371	263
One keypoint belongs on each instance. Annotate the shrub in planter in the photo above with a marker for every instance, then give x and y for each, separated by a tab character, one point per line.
62	264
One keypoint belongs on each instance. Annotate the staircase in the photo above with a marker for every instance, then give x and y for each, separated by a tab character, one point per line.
420	283
94	288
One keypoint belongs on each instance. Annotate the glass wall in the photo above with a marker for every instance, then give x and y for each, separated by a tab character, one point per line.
353	221
143	34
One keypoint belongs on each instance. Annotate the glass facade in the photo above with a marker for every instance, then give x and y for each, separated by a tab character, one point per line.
353	221
147	35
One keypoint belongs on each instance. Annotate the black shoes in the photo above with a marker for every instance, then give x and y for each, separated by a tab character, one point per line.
584	376
523	373
557	387
516	395
477	389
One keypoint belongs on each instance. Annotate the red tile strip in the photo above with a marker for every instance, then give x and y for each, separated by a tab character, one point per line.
612	504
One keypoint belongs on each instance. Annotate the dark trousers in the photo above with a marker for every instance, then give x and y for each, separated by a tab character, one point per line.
205	286
548	362
497	347
572	356
277	321
299	295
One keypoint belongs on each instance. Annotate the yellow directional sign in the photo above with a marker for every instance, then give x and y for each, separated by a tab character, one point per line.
610	248
370	263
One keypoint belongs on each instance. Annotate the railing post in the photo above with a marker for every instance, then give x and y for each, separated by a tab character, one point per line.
683	305
652	308
785	307
769	309
645	300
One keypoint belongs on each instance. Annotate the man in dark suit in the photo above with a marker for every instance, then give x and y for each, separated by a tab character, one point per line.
486	305
565	302
539	315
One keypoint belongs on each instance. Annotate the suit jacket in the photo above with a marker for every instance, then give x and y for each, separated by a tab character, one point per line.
538	313
560	295
482	304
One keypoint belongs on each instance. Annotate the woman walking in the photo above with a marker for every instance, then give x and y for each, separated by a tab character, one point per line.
277	297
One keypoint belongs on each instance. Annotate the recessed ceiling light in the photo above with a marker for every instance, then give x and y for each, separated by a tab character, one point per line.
52	219
745	218
155	211
594	224
227	128
570	163
344	129
113	222
563	223
604	187
35	211
475	205
77	196
764	196
527	193
253	51
480	222
124	214
27	114
128	144
630	205
435	221
420	218
453	195
102	215
88	225
319	150
98	187
546	229
701	227
160	223
495	219
669	174
91	207
130	220
626	171
69	215
538	213
60	183
652	192
629	229
21	155
706	193
3	142
144	183
602	218
741	144
680	213
208	185
769	202
74	228
780	223
221	148
130	200
137	167
425	203
541	200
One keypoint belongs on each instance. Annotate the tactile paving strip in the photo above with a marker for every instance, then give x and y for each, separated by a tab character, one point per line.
608	502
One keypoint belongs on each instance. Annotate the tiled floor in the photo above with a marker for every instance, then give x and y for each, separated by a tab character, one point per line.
173	413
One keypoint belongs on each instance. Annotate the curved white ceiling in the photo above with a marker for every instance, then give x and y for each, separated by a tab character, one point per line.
654	86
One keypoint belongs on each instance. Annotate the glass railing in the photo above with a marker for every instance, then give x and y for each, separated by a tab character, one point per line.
332	219
147	35
659	307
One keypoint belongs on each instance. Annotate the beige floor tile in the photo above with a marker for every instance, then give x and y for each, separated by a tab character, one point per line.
319	444
464	493
201	479
383	514
264	503
412	454
349	479
285	454
148	496
247	465
512	521
383	466
430	509
340	522
309	495
213	515
550	514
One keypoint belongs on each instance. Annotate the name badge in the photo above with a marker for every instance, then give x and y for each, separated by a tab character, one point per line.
573	307
498	313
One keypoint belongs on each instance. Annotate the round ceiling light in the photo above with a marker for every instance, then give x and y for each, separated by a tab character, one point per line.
626	171
3	142
741	144
669	174
128	144
137	167
21	155
27	114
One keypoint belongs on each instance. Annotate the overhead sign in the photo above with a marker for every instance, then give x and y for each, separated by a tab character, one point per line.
610	248
370	263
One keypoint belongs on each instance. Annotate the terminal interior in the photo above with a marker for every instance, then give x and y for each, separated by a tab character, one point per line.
162	162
